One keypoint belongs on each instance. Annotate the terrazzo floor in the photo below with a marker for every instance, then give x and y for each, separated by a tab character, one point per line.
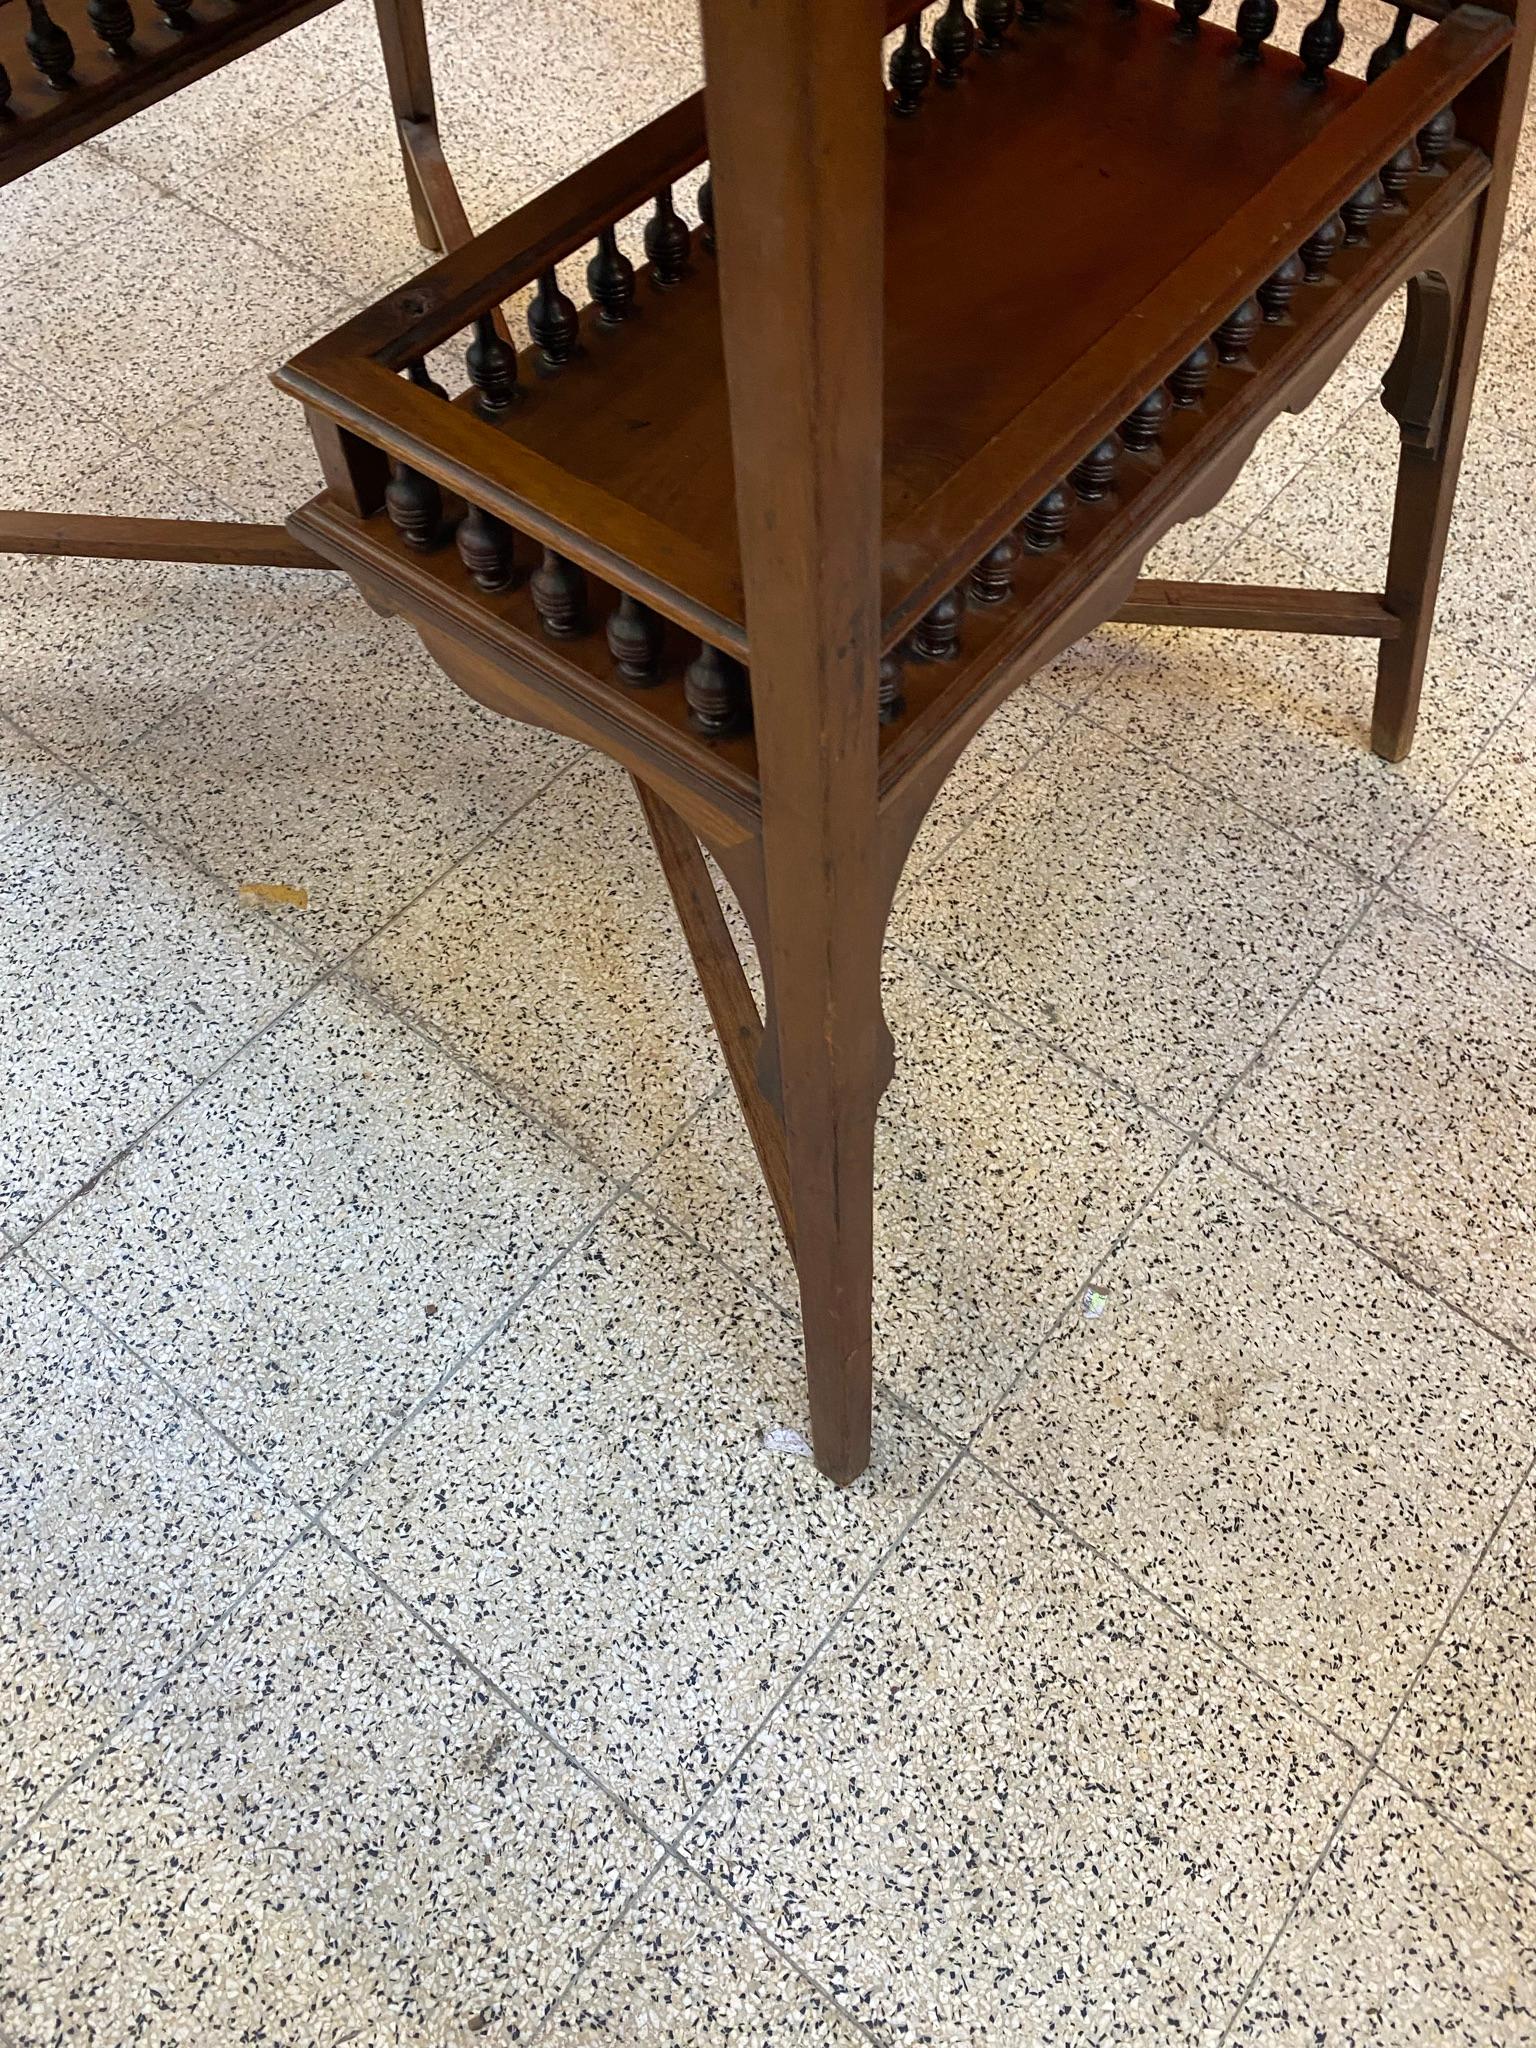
410	1632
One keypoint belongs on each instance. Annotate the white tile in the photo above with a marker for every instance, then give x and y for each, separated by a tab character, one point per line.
316	1237
325	1828
590	1512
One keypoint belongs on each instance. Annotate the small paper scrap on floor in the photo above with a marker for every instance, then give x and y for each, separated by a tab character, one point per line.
1094	1304
276	892
789	1443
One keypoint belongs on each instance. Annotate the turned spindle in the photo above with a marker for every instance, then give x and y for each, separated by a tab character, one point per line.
1395	173
716	692
5	88
994	18
1191	13
634	640
559	593
177	13
1234	337
1043	527
667	243
1031	11
938	631
1322	40
415	506
953	41
418	373
1320	248
707	214
1359	210
49	47
113	22
1436	137
554	325
911	69
1095	474
890	698
1255	25
1386	54
1144	427
1279	288
1189	380
485	549
992	577
611	280
492	366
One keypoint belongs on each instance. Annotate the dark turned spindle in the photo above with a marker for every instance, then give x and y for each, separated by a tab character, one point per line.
485	549
1255	25
559	593
890	699
113	22
5	88
1043	527
1320	248
492	366
953	41
1279	288
1386	54
667	243
611	280
1191	13
1395	173
1144	427
423	378
1436	137
707	213
634	640
994	18
715	691
911	69
1095	474
415	507
553	322
1359	210
992	577
1234	337
938	631
49	47
1189	380
1322	40
1031	10
177	13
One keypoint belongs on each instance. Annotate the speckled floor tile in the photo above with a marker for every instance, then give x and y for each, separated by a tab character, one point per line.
684	1972
54	208
124	976
1003	1175
1157	933
308	1244
1466	1740
590	1513
130	1527
1408	1934
325	1830
1476	864
358	775
1397	1101
1284	1438
1012	1802
553	959
248	443
96	652
36	788
1281	722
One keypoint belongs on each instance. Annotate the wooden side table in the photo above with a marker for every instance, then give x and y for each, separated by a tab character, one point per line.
778	520
71	69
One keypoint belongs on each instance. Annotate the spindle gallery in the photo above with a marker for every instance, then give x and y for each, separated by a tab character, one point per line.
780	517
70	70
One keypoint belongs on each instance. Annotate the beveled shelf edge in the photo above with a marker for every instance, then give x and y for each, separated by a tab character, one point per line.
1027	459
1088	588
593	706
